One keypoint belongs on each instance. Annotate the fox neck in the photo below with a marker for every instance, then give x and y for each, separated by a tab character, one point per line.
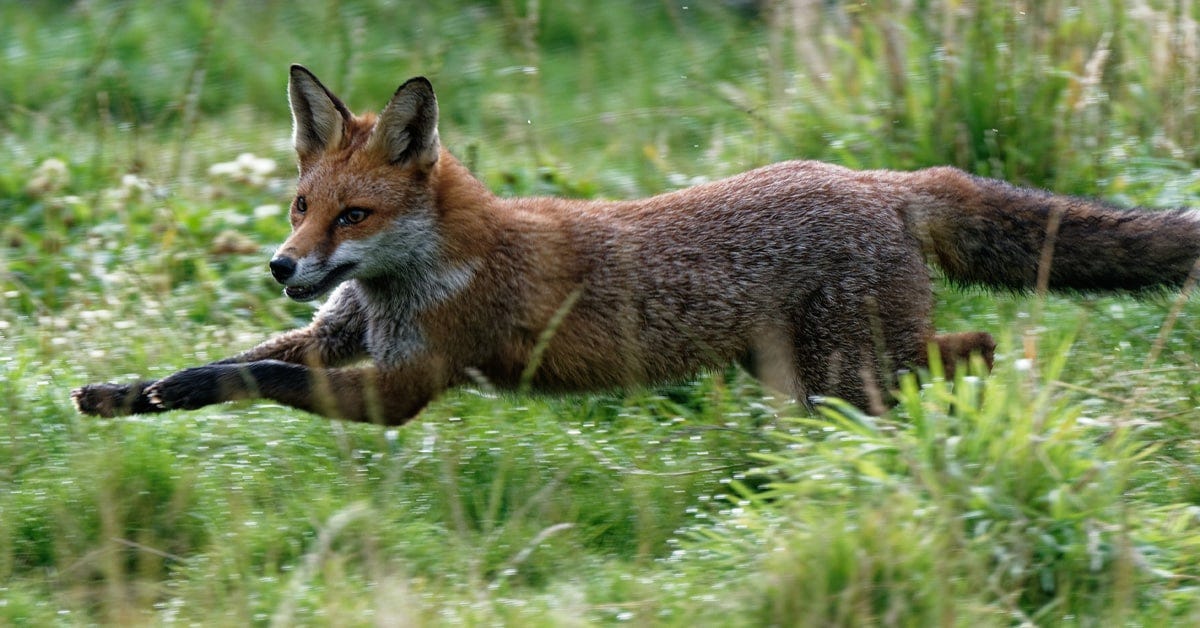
465	209
464	224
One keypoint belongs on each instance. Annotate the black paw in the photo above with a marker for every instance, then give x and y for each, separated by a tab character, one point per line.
194	388
111	400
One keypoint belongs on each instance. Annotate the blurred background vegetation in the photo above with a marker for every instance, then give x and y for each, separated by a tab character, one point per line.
146	163
1044	93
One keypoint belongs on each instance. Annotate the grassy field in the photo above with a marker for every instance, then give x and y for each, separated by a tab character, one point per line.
145	169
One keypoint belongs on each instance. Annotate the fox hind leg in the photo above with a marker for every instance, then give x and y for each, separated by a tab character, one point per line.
959	348
837	348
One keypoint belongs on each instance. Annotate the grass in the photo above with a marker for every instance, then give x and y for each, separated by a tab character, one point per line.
1060	490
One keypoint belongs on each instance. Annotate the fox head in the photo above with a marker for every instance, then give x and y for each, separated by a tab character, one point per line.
364	207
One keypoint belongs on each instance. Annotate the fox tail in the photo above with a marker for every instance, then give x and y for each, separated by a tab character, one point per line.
988	232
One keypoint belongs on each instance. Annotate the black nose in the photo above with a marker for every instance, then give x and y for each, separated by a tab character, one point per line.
282	268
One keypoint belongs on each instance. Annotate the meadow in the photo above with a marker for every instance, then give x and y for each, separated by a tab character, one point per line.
144	178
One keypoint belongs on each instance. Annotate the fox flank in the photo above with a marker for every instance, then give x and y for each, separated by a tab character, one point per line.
810	275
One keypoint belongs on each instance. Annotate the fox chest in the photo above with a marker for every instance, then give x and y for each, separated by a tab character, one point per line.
394	340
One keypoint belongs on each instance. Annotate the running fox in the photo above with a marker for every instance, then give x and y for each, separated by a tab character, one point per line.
810	275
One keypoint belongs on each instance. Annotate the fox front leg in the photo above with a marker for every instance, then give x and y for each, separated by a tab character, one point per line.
189	389
365	394
197	387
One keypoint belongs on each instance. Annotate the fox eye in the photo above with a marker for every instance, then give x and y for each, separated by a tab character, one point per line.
301	205
353	216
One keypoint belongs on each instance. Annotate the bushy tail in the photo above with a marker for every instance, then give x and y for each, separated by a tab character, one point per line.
988	232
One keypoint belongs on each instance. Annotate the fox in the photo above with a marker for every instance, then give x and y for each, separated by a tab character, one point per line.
813	277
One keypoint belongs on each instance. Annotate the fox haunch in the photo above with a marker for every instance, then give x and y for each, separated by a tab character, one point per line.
811	275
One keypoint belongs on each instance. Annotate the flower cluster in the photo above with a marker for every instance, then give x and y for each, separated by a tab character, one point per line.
132	190
50	177
246	168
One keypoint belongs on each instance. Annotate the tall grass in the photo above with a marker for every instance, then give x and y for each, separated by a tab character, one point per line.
1061	490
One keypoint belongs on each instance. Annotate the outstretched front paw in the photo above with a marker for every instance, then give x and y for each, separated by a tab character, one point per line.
194	388
110	400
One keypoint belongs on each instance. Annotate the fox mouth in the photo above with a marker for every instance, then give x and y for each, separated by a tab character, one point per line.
327	283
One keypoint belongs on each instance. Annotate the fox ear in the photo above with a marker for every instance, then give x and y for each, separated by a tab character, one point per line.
319	119
407	129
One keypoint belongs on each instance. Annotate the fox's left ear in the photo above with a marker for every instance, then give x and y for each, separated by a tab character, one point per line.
406	131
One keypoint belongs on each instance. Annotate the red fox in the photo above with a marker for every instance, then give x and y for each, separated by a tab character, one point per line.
810	275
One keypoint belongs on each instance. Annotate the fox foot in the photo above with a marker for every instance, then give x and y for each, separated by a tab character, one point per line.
111	400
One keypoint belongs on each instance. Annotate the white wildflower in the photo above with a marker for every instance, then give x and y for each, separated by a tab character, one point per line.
223	169
268	210
51	176
132	182
133	189
245	168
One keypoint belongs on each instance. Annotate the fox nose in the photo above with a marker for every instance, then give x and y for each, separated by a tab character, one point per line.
282	268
